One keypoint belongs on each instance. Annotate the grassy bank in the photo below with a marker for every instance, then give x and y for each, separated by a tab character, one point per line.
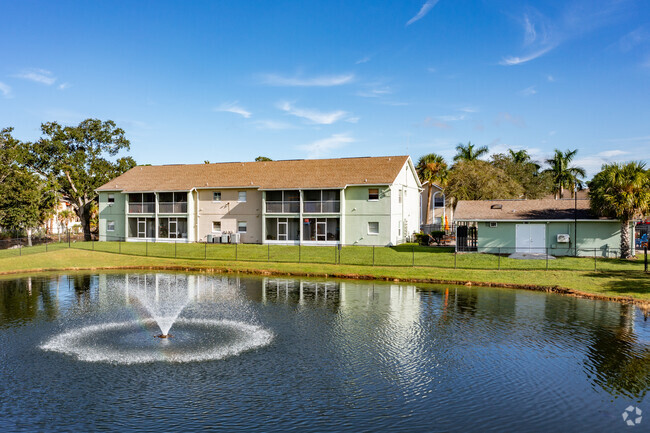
614	283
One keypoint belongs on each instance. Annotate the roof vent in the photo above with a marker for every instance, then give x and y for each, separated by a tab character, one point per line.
496	206
365	180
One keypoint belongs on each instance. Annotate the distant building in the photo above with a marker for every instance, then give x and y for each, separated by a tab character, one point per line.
536	226
357	201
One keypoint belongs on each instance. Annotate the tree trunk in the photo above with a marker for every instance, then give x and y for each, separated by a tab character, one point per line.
29	237
429	198
625	239
561	191
84	217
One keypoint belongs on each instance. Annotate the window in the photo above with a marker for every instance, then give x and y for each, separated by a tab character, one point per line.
216	196
216	226
241	226
111	198
373	194
242	196
110	226
373	228
439	201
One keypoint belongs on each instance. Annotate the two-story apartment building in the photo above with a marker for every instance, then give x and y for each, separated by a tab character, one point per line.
358	201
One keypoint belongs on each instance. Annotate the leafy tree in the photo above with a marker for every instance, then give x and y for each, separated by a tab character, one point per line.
263	158
432	168
562	174
621	191
469	152
76	159
480	180
522	169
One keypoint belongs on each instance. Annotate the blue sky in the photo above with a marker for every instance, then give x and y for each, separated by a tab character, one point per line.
228	81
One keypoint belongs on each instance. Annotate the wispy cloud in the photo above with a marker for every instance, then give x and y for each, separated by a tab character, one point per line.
550	78
63	86
314	116
320	148
426	7
514	60
593	163
431	121
38	76
5	89
506	117
233	107
365	59
273	125
468	109
452	117
375	92
319	81
634	38
528	91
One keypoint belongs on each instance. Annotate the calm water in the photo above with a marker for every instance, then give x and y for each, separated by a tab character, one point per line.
249	354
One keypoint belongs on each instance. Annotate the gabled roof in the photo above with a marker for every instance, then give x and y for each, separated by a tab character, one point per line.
291	174
543	209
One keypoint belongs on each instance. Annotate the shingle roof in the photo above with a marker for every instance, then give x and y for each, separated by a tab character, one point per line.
544	209
292	174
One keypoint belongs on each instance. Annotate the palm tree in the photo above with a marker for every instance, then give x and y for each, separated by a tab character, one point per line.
432	168
519	157
621	191
469	152
563	175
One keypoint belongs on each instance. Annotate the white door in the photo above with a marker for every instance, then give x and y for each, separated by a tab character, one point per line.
142	228
282	231
530	238
172	229
537	238
321	231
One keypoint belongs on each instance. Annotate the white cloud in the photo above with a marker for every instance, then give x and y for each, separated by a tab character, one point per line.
528	91
319	148
529	31
550	78
38	76
426	7
273	125
313	116
432	70
365	59
513	60
452	117
63	86
612	153
593	163
5	89
320	81
232	107
468	109
375	93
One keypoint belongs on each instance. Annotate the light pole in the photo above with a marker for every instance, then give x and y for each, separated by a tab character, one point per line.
575	219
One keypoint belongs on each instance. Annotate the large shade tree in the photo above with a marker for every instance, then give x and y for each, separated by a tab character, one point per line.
469	152
432	168
521	168
621	191
563	174
79	159
480	180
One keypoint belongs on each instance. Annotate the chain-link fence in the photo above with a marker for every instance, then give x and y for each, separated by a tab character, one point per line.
404	255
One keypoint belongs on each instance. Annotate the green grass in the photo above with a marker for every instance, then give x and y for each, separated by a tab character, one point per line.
406	255
615	278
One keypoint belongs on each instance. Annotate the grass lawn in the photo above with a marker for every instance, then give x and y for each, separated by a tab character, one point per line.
615	278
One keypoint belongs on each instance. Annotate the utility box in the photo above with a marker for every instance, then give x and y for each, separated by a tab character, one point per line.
563	238
234	238
225	238
210	239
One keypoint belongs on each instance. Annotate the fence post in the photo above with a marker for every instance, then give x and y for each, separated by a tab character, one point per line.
268	252
645	260
174	249
499	262
595	266
205	251
335	248
146	247
455	254
373	255
20	248
68	238
299	253
235	252
547	258
412	255
119	247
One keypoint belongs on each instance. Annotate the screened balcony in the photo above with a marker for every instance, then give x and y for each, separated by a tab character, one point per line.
142	203
172	202
283	201
322	201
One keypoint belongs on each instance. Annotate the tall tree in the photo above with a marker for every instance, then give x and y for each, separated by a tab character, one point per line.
78	159
432	168
480	180
263	158
519	166
469	152
563	175
621	191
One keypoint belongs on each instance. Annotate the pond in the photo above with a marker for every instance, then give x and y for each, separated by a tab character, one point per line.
78	352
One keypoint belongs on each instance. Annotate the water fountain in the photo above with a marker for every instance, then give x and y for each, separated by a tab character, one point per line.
156	304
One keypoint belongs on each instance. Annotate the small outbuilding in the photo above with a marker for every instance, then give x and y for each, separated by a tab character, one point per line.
564	227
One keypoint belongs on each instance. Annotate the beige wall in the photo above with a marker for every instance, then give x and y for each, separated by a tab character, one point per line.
230	211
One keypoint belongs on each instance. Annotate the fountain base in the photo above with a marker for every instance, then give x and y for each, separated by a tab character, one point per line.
163	336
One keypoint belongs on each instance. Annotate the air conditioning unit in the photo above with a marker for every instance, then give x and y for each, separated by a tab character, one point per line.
493	224
225	238
234	238
210	239
563	238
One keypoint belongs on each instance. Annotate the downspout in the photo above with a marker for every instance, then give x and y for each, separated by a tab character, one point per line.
194	192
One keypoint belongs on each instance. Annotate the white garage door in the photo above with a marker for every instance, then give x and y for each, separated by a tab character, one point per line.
531	238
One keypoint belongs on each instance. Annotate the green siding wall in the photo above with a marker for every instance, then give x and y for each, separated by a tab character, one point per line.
603	236
111	212
359	211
